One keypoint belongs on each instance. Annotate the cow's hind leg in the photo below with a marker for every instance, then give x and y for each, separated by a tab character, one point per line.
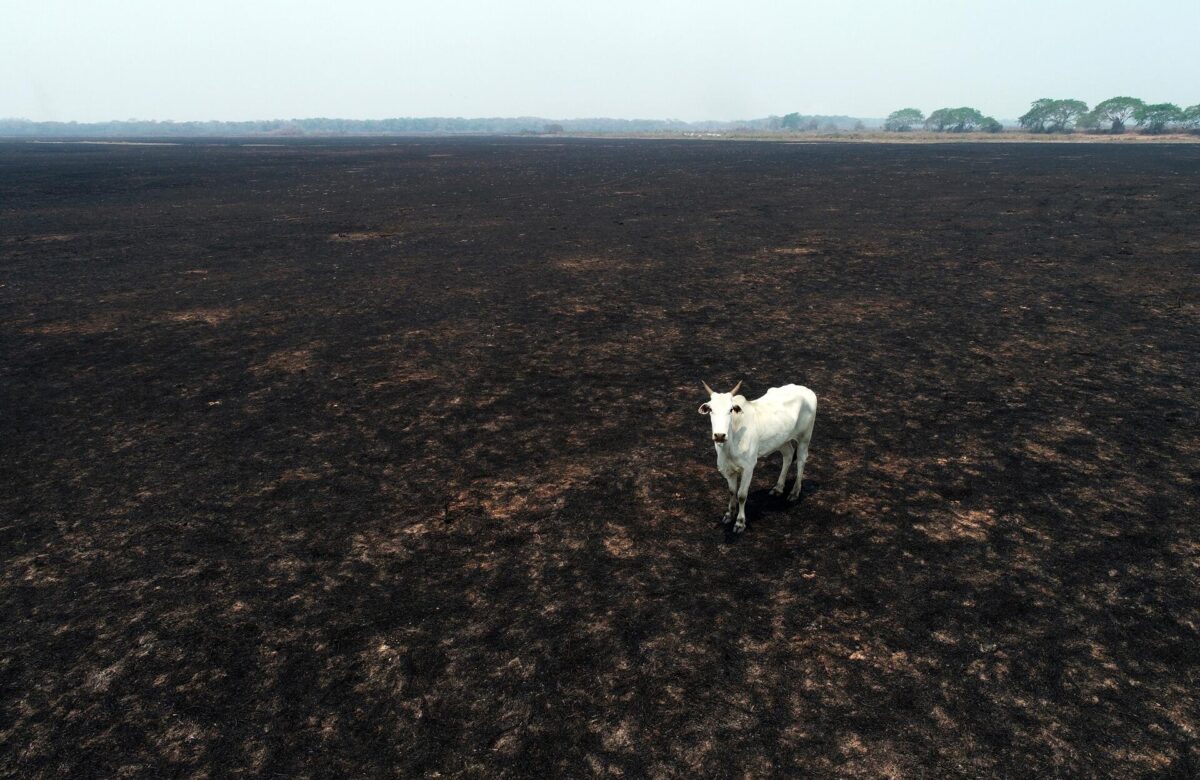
801	456
788	450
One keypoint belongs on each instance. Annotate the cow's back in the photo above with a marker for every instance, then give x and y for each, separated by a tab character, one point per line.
783	413
799	401
788	396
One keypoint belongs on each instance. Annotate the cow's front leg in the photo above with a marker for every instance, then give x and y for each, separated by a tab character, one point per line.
731	479
743	491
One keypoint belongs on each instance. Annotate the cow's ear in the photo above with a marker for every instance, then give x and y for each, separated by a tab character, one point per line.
704	409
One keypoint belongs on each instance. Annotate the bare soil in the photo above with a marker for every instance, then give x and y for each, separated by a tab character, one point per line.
381	459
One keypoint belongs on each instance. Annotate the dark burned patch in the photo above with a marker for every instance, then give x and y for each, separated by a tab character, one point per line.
43	238
286	500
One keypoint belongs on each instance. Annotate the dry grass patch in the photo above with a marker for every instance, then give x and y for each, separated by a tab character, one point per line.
210	316
90	327
287	361
360	235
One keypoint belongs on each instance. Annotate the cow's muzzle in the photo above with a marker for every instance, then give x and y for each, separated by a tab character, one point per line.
719	438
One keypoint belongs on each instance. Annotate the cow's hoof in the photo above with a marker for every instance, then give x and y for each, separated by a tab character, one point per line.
739	526
727	519
776	491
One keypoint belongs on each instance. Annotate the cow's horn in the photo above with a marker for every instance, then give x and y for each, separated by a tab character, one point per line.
706	387
735	388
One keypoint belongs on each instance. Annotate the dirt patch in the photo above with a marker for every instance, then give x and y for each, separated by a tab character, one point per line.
972	524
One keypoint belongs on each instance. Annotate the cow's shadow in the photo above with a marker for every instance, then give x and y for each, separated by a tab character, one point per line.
762	508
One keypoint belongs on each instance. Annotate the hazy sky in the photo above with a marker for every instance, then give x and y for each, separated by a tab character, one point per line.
91	60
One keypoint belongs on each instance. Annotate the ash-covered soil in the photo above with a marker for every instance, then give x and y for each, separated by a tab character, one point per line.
358	459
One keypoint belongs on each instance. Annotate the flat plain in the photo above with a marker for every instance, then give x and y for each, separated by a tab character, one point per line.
355	458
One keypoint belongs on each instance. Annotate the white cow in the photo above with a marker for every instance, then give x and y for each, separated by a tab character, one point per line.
744	431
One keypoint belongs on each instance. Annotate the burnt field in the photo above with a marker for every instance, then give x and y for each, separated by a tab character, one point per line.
342	459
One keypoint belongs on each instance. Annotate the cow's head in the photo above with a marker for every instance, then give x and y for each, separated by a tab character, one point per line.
720	408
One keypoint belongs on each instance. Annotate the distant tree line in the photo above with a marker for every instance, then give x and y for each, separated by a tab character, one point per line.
329	126
813	123
1050	115
324	126
963	119
1045	116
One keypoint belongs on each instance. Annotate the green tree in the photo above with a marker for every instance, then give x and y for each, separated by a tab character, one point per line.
1048	115
903	120
955	120
1089	121
991	125
791	121
1063	113
1116	111
938	120
1155	118
1034	120
1191	117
